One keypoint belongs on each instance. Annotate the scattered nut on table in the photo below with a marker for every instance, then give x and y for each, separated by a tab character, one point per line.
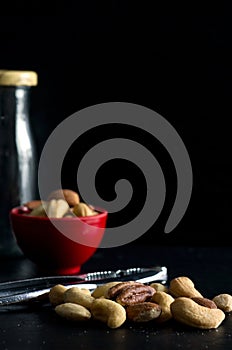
159	287
205	302
143	312
223	302
183	287
135	294
102	290
115	290
73	312
109	312
77	296
117	302
188	312
164	300
56	294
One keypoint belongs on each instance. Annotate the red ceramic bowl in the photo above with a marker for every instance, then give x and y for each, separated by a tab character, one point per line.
53	251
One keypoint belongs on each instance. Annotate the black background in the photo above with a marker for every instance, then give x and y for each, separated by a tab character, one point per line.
172	58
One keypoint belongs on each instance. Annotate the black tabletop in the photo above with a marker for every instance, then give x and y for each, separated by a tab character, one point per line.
40	328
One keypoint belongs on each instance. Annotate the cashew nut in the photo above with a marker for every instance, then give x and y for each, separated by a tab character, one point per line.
56	294
159	287
109	312
188	312
77	296
164	300
183	287
223	302
73	312
102	291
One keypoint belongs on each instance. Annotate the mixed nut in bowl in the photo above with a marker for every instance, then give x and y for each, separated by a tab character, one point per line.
59	234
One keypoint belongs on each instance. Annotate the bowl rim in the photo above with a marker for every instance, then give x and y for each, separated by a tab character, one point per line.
14	212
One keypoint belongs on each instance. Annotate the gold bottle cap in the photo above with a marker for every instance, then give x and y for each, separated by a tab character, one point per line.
18	78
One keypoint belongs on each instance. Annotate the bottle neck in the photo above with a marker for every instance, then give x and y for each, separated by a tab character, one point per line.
14	102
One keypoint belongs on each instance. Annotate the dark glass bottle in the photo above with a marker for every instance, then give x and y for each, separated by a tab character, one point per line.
18	163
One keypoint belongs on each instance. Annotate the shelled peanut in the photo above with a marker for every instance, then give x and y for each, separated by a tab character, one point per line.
114	303
60	203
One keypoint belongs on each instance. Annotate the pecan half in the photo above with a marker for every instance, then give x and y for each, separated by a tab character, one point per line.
143	312
205	302
135	294
114	291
